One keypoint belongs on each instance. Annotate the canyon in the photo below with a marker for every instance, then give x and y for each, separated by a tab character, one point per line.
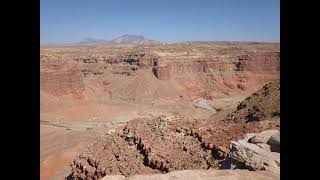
121	106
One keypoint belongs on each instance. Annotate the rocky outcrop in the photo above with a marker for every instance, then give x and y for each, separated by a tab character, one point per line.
253	153
128	70
162	144
274	142
110	155
142	59
86	73
262	137
112	60
161	72
261	105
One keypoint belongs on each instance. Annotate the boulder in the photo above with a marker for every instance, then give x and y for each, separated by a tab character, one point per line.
274	142
263	137
246	155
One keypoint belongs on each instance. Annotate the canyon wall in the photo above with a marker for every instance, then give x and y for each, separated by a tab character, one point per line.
262	62
62	83
143	72
268	62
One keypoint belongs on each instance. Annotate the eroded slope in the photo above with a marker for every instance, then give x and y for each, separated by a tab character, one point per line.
164	144
261	105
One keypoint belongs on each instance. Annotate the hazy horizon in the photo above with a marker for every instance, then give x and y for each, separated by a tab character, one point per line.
66	22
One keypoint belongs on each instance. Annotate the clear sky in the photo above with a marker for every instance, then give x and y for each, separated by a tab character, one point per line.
67	21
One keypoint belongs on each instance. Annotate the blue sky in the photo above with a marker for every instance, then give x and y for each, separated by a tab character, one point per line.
67	21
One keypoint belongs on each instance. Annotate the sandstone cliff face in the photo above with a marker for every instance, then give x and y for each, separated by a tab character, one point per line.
224	74
268	62
261	62
144	73
62	83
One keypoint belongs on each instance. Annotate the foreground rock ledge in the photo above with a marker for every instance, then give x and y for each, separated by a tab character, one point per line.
251	153
202	175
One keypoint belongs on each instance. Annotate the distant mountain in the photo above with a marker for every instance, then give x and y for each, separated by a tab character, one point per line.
132	39
93	41
124	39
